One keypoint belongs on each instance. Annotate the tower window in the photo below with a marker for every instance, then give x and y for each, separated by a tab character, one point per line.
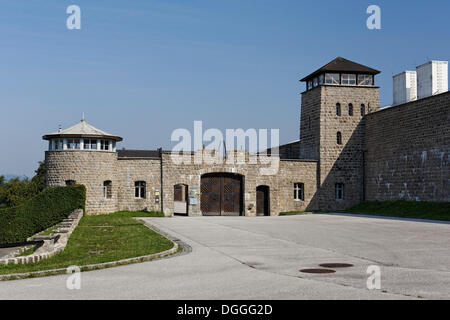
339	138
107	189
365	80
332	78
339	191
316	82
350	109
90	144
338	109
104	145
140	189
363	110
73	144
299	191
349	79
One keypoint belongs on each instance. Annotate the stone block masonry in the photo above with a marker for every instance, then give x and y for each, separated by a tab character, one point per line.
407	151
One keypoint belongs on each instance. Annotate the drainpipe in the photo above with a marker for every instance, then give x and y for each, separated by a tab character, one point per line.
161	182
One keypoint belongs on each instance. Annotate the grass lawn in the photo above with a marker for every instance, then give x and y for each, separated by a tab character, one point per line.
404	209
102	238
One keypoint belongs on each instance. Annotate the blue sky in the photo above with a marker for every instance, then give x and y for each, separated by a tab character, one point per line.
141	69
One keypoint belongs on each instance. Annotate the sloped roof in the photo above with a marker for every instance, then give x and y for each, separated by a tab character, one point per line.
125	153
82	129
342	65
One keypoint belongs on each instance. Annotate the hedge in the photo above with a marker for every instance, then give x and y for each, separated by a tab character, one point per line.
48	208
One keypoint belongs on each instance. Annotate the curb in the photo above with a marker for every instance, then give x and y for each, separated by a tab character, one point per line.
91	267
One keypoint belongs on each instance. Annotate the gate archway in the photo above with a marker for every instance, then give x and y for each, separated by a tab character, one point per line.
221	194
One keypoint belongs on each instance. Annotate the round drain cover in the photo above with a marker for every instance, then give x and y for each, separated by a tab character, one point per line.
336	265
317	271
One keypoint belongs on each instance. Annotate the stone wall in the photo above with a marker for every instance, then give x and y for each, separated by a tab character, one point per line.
408	151
90	168
281	184
132	170
343	163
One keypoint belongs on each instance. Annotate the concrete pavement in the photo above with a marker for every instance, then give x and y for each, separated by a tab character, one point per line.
260	258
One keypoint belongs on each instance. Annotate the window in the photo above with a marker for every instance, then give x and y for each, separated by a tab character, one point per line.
104	145
70	182
338	109
365	80
339	191
349	79
332	78
363	110
107	189
350	109
339	138
316	82
309	85
90	144
299	191
321	79
73	144
58	144
140	189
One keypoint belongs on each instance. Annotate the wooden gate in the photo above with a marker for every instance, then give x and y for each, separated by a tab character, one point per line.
221	194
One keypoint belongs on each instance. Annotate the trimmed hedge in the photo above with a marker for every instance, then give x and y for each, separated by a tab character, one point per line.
48	208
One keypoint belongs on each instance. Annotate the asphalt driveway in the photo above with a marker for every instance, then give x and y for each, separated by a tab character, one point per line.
260	258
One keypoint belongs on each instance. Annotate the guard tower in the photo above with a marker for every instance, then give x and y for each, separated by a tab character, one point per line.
85	155
337	98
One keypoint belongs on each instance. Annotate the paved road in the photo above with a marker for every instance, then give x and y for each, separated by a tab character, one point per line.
260	258
5	251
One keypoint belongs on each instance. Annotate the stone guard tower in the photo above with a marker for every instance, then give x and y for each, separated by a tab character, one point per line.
86	155
336	100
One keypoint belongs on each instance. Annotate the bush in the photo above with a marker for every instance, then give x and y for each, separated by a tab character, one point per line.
46	209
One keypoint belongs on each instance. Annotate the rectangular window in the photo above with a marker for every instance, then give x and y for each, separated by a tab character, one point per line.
339	191
365	80
104	145
107	189
349	79
73	144
309	85
139	189
321	79
90	144
299	191
316	82
332	78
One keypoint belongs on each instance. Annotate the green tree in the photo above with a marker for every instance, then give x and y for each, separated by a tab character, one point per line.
16	191
39	179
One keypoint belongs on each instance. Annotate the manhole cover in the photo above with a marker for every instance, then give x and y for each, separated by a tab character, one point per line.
317	271
336	265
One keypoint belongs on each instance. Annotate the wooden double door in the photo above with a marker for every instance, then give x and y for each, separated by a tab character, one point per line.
221	194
